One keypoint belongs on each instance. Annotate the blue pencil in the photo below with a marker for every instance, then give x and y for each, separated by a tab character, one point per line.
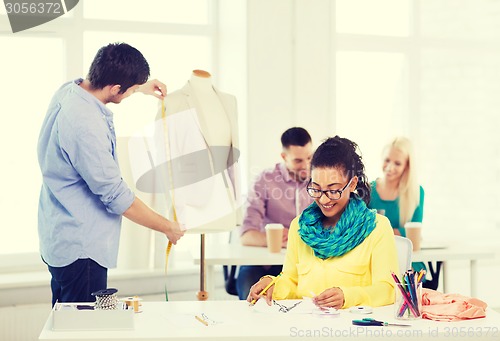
413	290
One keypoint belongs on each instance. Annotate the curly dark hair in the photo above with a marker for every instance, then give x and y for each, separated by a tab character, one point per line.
342	153
118	64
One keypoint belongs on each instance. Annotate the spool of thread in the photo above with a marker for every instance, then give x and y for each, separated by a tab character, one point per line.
133	302
106	299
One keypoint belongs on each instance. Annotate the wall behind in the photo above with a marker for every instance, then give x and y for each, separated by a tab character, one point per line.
443	94
289	83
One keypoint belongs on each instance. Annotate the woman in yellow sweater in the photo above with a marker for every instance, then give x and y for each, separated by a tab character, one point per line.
339	252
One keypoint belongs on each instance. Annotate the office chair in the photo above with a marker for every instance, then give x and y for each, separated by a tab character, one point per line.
404	247
230	279
433	283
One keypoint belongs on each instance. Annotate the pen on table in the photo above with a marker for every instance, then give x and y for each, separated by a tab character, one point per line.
266	288
201	320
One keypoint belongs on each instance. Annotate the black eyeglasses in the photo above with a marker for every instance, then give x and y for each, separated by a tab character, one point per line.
332	194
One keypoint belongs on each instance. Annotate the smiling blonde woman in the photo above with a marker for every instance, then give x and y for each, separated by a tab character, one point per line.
398	192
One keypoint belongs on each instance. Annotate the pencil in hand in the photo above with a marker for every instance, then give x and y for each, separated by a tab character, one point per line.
263	292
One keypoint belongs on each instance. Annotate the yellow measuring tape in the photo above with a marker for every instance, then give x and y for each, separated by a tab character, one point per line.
169	246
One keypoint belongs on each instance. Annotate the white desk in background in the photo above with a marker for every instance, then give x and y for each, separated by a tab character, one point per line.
235	254
453	253
237	321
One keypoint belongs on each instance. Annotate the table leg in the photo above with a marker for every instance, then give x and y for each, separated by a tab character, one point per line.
473	277
444	269
203	293
210	282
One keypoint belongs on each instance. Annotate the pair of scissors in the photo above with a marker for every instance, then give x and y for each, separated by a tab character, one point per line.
368	321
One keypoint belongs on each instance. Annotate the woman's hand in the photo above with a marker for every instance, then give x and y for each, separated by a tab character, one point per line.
153	87
256	289
330	298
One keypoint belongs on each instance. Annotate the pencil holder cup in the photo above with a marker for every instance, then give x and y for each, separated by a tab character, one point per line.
408	303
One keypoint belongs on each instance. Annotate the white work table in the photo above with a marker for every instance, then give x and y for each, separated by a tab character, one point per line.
235	320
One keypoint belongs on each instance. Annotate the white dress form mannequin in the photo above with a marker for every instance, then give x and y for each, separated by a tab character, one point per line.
205	120
214	115
218	133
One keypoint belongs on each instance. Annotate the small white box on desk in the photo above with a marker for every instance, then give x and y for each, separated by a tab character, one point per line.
66	317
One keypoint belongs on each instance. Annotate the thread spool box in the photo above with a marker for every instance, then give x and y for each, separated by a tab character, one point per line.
82	316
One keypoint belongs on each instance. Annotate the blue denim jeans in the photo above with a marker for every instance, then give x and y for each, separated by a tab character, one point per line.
77	281
248	275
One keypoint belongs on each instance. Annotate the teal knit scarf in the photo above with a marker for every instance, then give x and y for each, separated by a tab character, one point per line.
355	224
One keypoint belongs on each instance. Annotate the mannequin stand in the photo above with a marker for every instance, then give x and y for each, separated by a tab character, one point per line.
202	295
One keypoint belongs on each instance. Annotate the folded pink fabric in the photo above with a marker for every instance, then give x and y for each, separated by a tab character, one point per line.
450	307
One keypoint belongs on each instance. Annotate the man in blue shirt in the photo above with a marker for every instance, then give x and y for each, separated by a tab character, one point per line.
83	195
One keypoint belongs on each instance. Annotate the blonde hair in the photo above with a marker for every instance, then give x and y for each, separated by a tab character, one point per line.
409	189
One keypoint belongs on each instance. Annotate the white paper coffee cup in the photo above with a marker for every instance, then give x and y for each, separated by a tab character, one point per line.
274	237
414	233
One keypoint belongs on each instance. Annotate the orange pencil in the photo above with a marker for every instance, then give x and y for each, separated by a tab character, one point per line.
201	320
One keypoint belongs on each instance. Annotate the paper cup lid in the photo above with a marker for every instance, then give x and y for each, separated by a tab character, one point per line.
413	224
274	226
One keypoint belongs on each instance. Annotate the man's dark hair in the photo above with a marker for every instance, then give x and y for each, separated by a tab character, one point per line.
295	136
118	64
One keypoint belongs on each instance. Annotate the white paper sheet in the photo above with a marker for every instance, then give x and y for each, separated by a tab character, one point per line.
303	306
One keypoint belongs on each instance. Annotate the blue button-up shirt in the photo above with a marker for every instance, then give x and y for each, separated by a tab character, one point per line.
83	194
